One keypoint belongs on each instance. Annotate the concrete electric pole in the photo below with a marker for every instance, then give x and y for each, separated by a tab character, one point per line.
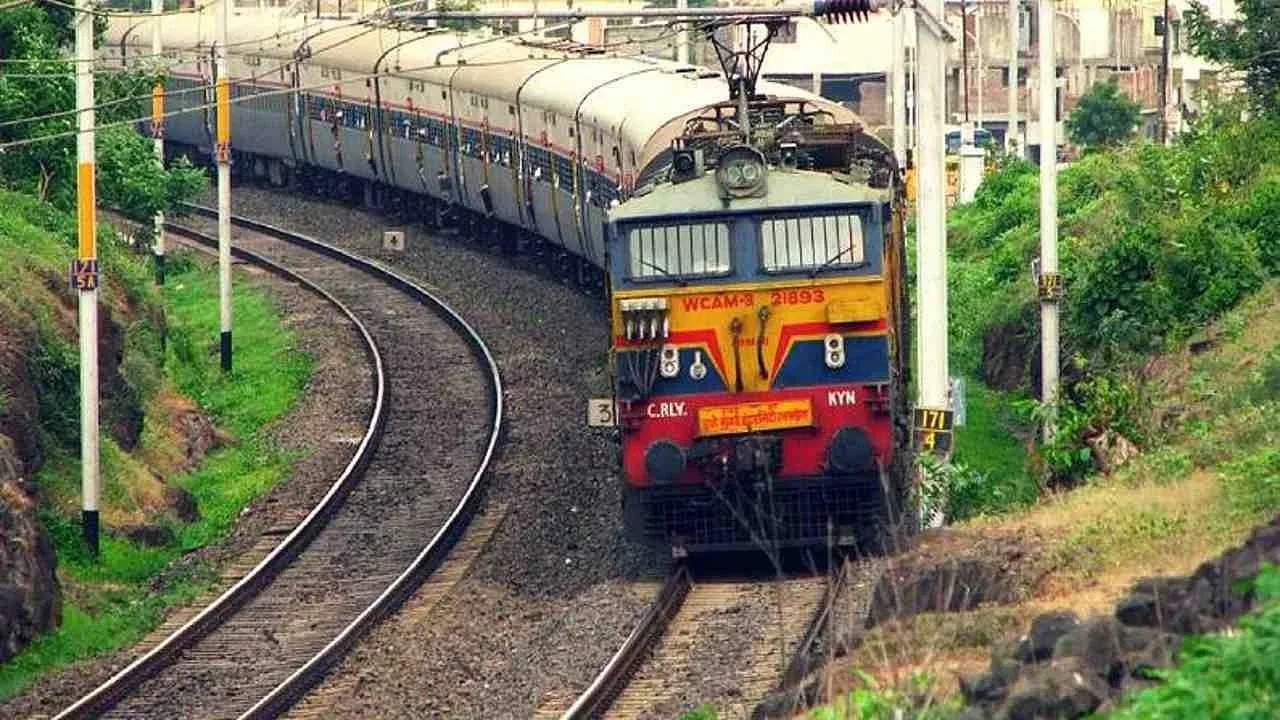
931	246
223	152
84	275
157	129
1015	38
902	20
977	42
1166	78
682	36
1050	282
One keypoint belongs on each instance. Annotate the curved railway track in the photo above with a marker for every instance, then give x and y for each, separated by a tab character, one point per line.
649	675
392	517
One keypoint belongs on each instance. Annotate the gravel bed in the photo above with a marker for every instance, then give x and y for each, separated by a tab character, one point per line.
333	407
550	599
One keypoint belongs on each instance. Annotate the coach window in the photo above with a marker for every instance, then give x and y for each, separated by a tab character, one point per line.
678	251
808	243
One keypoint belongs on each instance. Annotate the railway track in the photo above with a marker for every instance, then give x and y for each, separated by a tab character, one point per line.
384	526
700	622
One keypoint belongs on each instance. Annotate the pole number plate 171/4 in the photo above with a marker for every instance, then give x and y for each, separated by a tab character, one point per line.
84	275
933	430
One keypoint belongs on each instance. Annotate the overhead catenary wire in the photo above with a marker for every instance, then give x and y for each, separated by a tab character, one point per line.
279	34
328	26
262	73
197	88
130	13
361	77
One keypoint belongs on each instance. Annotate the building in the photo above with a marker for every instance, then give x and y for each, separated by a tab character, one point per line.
1095	40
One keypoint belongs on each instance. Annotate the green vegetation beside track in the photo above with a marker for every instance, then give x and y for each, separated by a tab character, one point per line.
114	600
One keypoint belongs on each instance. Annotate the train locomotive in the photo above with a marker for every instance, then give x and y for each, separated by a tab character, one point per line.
747	236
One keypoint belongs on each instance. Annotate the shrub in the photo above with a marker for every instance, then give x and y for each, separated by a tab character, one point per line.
1155	241
1104	116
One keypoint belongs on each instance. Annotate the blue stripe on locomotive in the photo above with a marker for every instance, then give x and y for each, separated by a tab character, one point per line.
866	360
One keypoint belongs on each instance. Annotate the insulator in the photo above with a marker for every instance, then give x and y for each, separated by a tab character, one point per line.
845	10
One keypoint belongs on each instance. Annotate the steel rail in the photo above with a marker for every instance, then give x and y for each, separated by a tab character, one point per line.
615	675
163	654
435	552
431	556
819	628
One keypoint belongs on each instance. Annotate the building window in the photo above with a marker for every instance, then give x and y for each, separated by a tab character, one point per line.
840	88
1004	76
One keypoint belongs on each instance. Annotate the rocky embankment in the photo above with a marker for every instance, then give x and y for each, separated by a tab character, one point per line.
1068	667
30	598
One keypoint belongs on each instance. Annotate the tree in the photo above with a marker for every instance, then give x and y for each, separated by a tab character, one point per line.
1250	45
1104	117
40	83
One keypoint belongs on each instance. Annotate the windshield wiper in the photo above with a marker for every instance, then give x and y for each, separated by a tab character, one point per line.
665	272
834	259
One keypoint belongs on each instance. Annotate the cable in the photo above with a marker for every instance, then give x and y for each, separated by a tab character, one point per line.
277	35
198	88
261	73
256	96
365	20
134	13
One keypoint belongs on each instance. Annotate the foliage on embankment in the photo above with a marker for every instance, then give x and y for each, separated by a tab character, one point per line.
175	475
1155	242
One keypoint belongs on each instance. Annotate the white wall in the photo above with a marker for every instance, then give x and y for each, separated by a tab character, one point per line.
850	48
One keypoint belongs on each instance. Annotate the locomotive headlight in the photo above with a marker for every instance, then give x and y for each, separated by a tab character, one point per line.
670	366
697	370
833	351
741	172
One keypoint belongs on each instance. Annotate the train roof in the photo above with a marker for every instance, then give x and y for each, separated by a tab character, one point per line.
788	190
645	100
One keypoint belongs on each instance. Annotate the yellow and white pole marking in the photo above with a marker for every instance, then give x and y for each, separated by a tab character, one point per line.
223	152
157	129
84	276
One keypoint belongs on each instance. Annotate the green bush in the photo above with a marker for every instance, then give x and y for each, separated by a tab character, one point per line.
55	368
1099	403
1155	241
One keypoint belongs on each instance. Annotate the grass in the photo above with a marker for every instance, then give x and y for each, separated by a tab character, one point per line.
988	446
115	600
1212	474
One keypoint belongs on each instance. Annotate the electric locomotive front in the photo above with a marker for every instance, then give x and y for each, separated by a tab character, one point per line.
756	349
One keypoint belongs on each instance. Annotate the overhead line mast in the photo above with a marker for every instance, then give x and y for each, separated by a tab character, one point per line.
157	131
1050	282
84	276
223	154
933	412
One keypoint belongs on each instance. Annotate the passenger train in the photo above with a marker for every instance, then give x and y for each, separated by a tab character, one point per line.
751	251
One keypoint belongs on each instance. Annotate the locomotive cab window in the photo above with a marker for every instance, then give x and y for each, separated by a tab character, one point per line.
669	252
810	243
